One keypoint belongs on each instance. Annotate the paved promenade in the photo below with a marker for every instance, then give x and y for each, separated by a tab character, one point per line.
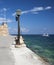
9	55
6	56
24	56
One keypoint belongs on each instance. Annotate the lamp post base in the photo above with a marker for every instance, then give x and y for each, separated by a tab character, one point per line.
19	46
22	44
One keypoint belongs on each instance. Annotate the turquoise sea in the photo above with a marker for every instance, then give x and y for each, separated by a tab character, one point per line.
43	46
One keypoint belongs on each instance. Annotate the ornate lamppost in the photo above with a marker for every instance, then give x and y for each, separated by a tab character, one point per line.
18	13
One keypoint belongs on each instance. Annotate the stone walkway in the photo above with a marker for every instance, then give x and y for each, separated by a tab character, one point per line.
9	55
6	56
24	56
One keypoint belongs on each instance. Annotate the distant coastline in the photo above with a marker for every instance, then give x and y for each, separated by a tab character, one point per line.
28	34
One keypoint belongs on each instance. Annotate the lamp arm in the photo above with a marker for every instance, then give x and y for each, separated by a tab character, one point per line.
16	18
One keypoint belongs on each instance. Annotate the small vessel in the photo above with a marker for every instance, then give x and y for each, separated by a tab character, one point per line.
46	34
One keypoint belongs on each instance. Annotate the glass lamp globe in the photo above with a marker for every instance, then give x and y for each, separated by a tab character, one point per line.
18	12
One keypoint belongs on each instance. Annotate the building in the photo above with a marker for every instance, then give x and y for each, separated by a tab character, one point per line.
4	29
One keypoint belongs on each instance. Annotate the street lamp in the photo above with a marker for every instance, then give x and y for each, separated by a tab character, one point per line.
18	13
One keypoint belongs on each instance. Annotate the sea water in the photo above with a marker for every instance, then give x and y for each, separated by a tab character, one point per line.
41	45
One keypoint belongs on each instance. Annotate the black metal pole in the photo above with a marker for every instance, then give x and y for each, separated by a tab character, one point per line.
18	35
19	29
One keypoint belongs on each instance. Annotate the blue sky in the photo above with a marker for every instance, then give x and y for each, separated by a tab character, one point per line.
37	15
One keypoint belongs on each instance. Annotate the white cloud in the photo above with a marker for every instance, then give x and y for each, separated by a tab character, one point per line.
3	9
14	14
12	30
49	7
5	20
35	10
9	20
24	30
15	30
3	16
23	12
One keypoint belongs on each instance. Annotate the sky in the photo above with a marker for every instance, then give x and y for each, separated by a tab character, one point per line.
37	16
